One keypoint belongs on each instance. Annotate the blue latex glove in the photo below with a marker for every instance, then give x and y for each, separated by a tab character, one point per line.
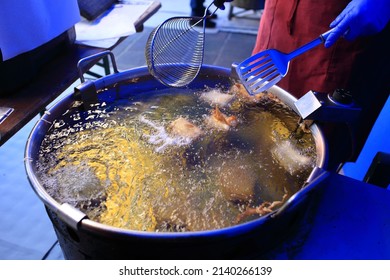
360	18
220	3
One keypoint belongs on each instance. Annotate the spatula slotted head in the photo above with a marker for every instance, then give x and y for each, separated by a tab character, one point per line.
174	51
261	71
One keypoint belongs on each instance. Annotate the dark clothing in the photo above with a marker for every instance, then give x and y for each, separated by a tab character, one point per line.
197	6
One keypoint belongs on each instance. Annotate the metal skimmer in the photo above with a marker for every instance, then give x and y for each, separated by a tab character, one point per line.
174	50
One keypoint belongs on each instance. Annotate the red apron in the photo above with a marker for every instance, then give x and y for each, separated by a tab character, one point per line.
287	25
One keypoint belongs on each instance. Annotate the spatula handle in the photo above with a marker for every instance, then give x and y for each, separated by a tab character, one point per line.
309	45
325	35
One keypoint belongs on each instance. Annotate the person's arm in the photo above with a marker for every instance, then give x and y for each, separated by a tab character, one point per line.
360	18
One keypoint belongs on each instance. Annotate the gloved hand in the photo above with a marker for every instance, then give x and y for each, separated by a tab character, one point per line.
360	18
220	3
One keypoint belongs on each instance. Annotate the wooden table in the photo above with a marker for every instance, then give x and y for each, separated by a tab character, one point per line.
53	79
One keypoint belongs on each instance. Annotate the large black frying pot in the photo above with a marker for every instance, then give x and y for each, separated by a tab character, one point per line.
82	238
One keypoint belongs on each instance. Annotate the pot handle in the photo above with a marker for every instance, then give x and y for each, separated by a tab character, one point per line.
92	60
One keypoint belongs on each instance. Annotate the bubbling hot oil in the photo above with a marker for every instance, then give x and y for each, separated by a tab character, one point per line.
120	164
